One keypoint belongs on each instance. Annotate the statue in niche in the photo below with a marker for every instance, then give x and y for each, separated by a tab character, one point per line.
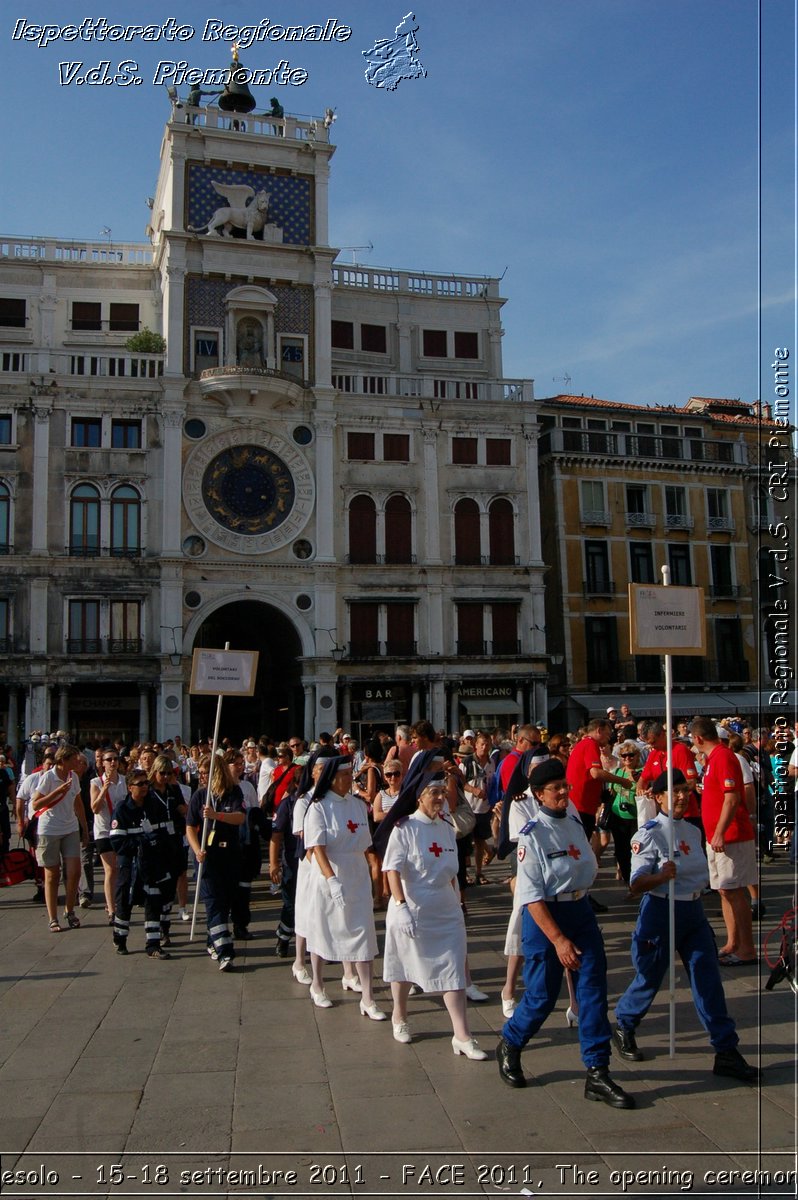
246	209
249	343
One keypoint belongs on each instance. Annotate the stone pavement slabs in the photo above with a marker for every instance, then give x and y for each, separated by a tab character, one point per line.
310	1104
76	1116
202	1053
737	1116
99	1073
423	1126
400	1072
277	1135
25	1103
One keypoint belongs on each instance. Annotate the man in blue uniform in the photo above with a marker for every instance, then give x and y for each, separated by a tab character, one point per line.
556	866
136	838
652	868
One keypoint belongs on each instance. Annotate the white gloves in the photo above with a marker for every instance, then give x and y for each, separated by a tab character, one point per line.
403	920
336	890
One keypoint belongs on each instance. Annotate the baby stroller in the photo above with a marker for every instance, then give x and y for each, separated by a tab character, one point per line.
785	965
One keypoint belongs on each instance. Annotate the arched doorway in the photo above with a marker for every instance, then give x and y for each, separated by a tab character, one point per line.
277	708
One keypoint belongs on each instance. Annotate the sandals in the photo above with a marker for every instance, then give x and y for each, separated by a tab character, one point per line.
55	927
71	920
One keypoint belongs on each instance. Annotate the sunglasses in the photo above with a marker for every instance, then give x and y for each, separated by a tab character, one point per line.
634	755
392	774
139	783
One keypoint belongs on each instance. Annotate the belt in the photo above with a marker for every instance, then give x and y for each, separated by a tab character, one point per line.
692	896
561	896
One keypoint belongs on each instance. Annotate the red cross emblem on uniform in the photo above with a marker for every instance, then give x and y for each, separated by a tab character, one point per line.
685	849
351	826
436	849
573	852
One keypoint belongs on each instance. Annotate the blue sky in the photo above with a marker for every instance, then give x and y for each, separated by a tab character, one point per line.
601	152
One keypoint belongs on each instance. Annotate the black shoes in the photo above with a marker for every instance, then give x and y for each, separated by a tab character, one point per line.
158	953
732	1064
121	948
509	1059
241	933
758	910
599	1086
596	905
626	1045
281	949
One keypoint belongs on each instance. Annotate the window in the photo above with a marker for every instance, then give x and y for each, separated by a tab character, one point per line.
342	335
125	627
396	447
84	520
123	318
470	630
86	315
360	445
504	621
598	442
5	429
636	498
601	649
434	343
400	628
466	533
362	530
501	534
732	666
718	509
398	530
206	349
594	508
12	313
679	563
671	441
373	338
641	562
125	522
466	345
87	431
126	435
597	568
5	624
83	636
646	441
497	452
464	451
364	629
5	519
675	502
720	559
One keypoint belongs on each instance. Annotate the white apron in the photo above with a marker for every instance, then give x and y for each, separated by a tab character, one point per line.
340	824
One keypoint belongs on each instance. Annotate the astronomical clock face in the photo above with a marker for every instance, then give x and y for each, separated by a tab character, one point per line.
250	496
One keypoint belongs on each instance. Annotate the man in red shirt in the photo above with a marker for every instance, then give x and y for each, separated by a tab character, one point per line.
730	841
527	737
654	735
586	775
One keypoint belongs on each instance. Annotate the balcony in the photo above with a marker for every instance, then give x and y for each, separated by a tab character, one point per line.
116	646
597	588
85	551
379	560
382	650
595	516
83	646
125	646
290	128
640	520
425	387
653	449
678	521
89	365
60	250
720	524
414	283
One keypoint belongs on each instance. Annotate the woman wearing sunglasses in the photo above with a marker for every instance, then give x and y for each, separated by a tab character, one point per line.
623	811
165	789
106	791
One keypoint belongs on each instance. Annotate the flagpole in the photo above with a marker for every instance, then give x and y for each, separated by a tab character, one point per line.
208	800
666	579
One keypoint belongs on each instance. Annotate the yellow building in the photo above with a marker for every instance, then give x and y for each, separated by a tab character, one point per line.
625	490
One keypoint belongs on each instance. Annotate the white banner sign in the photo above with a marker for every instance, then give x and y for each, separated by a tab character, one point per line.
666	620
223	672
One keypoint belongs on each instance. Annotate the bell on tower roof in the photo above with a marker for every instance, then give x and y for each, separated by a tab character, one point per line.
236	96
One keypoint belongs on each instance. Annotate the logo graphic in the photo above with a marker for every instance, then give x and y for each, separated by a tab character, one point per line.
390	60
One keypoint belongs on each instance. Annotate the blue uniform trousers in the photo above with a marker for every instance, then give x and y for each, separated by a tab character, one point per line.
543	973
220	875
695	943
123	904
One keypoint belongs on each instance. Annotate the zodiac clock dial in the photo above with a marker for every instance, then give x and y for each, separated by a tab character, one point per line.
248	490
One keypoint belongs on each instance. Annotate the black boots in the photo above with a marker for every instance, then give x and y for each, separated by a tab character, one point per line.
626	1045
732	1064
509	1059
599	1086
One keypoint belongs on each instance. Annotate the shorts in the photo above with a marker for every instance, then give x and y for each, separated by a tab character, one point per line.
735	868
50	850
103	845
482	828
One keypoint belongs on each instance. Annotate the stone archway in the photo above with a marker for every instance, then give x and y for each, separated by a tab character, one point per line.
277	708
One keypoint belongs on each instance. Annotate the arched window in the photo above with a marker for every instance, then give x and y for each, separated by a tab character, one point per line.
125	521
5	519
362	530
466	533
501	534
84	520
398	530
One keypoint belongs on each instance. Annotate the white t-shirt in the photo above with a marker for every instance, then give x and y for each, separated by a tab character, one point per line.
62	818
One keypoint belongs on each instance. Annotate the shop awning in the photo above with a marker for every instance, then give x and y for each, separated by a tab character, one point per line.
715	704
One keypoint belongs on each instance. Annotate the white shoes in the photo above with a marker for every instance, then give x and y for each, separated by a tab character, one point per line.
212	952
352	984
184	914
372	1012
509	1006
225	964
571	1017
301	975
470	1049
474	994
320	999
401	1033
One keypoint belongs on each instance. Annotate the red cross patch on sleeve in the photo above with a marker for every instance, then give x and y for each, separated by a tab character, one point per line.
635	847
521	853
114	824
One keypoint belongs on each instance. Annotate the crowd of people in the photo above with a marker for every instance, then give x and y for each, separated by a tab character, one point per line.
407	824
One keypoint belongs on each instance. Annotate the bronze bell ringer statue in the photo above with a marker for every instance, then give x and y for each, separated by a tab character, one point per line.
236	96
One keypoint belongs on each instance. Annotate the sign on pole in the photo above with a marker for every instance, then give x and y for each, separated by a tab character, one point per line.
223	672
666	620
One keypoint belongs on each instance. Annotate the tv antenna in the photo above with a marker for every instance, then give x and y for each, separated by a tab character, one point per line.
354	249
566	379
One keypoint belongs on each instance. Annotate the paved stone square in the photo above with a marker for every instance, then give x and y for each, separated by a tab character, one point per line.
125	1076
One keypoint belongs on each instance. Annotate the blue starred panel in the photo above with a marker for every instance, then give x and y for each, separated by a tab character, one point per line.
289	206
204	306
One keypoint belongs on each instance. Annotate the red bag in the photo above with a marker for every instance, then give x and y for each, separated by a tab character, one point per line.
16	866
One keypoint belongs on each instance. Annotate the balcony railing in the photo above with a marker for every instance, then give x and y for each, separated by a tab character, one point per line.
83	646
678	521
125	646
382	650
725	591
103	365
640	520
425	387
62	251
83	551
388	279
86	645
598	587
380	560
596	516
637	446
720	524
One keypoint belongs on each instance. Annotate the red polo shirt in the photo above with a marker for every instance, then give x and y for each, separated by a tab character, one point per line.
585	791
723	774
683	761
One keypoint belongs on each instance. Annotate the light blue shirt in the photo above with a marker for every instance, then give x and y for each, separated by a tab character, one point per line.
650	853
554	856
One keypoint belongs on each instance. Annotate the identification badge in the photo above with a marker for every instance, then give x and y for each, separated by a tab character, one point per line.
210	837
557	854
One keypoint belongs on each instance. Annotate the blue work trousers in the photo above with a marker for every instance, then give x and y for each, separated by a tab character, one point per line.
695	943
221	872
543	979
